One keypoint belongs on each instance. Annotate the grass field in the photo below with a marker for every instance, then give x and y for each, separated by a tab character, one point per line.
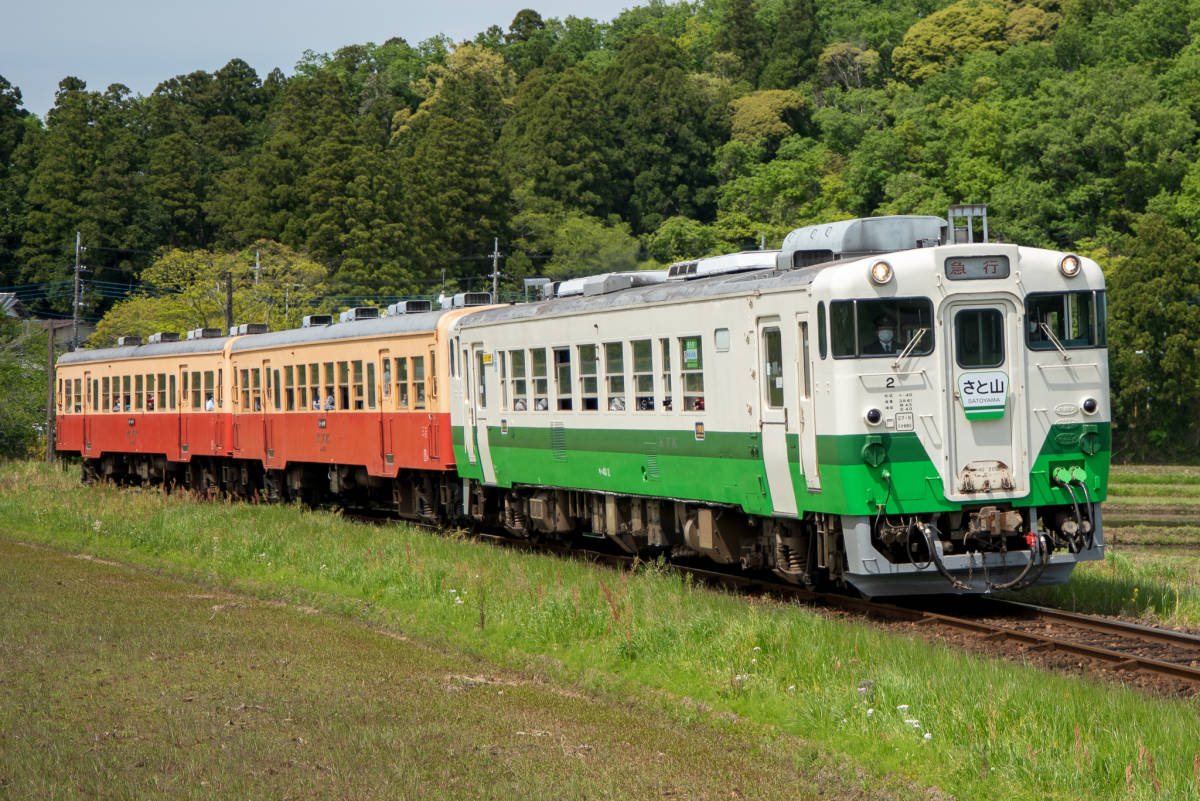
869	715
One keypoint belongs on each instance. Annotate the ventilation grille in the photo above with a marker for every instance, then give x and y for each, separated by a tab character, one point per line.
558	442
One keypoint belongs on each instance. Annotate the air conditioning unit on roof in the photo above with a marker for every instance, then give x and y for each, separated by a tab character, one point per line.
314	320
125	342
204	333
359	313
163	336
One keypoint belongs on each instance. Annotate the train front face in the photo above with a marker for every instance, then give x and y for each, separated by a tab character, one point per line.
980	417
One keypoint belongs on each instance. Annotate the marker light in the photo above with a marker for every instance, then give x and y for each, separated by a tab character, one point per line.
881	272
874	416
1070	266
1089	405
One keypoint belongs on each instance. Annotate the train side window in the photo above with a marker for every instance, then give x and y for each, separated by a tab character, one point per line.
537	369
245	390
516	360
126	391
589	389
370	385
162	390
562	378
256	388
221	388
418	382
773	367
315	399
150	392
276	394
822	341
691	363
328	397
614	375
172	394
289	382
643	375
105	395
197	378
343	391
210	390
139	391
665	350
359	387
402	382
979	338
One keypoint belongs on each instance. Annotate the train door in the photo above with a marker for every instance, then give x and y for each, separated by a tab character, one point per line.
468	384
986	450
435	441
774	420
385	401
89	408
806	420
481	363
263	407
184	417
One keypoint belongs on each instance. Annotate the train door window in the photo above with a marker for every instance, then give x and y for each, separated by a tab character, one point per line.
432	374
519	388
772	367
59	403
614	375
805	365
480	379
360	395
276	395
453	365
589	389
171	394
105	395
822	342
370	385
63	402
979	338
139	391
289	382
502	365
418	382
537	369
162	390
221	388
643	375
664	347
562	378
386	379
402	383
691	362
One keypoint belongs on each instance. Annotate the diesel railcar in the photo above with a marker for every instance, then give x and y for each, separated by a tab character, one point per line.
746	408
875	405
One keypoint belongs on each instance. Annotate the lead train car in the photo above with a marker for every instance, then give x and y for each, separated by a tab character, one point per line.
752	416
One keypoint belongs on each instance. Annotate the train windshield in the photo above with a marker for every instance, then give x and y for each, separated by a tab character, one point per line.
1066	319
865	328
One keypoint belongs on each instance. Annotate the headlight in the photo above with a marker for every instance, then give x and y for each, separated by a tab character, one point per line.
1089	405
874	416
1070	266
881	272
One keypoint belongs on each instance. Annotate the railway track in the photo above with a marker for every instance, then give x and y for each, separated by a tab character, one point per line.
1157	660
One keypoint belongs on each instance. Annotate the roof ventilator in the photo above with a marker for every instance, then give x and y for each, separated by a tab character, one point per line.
204	333
409	307
315	320
852	239
742	262
163	336
248	328
464	299
359	313
125	342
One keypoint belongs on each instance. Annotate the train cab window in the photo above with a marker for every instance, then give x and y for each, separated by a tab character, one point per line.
881	328
822	339
772	368
589	383
537	370
418	382
614	375
664	347
370	385
643	375
562	378
979	338
1074	319
691	362
402	383
516	362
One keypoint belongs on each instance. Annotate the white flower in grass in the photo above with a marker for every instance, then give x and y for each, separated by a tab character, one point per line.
458	600
95	525
928	736
870	712
324	567
757	649
754	661
791	688
916	724
902	707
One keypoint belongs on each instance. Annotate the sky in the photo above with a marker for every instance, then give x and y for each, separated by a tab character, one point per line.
141	43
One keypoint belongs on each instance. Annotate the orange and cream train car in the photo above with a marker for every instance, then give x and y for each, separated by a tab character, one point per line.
358	408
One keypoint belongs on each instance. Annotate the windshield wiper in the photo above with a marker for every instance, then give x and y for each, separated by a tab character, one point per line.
1049	333
912	343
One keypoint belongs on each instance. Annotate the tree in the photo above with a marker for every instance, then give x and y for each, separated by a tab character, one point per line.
740	34
23	376
945	37
795	48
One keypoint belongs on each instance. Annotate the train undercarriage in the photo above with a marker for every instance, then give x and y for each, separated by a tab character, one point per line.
883	555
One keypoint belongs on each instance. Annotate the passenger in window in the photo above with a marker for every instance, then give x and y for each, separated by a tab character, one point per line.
666	404
149	403
540	405
616	404
209	405
329	402
519	405
316	403
885	336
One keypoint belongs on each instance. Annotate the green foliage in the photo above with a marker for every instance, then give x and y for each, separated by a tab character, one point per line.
947	36
23	376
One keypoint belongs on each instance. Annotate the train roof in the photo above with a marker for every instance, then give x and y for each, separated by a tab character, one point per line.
398	324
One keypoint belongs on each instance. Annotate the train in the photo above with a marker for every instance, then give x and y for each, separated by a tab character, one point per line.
889	405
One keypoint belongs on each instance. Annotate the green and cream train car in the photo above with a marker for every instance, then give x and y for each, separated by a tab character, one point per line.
873	405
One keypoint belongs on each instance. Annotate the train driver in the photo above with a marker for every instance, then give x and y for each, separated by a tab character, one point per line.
885	336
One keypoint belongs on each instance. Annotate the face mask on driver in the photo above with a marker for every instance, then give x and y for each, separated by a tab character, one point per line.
886	335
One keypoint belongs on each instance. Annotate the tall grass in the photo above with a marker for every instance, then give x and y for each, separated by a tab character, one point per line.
975	727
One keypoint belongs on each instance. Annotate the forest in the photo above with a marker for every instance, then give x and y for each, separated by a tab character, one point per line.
675	130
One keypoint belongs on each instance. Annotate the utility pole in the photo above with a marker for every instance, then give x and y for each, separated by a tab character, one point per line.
495	268
76	297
